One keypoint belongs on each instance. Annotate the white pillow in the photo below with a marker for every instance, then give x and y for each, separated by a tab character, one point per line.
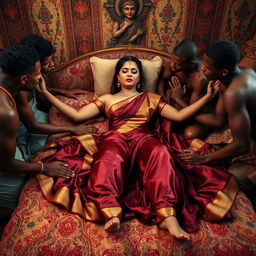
103	71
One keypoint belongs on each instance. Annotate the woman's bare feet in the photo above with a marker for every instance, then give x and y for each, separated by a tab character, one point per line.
171	224
112	225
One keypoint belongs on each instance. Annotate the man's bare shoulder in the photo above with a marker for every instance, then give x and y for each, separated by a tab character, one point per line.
8	118
241	87
245	80
247	69
7	109
197	79
250	75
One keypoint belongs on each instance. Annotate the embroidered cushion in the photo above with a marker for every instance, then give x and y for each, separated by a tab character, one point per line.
103	72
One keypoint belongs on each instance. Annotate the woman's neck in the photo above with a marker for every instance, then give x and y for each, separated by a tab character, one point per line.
128	93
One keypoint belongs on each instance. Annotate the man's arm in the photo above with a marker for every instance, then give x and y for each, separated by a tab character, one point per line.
8	127
239	123
216	119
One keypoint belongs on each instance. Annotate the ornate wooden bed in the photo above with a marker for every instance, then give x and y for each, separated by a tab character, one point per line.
38	227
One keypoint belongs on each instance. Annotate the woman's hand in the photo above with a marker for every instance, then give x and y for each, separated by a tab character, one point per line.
41	87
213	88
192	157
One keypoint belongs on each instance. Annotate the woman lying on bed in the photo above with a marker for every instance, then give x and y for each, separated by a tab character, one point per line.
133	170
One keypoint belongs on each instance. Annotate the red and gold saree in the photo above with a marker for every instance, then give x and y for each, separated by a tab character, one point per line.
133	170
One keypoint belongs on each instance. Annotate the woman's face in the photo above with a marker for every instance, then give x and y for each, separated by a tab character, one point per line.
129	75
47	64
129	10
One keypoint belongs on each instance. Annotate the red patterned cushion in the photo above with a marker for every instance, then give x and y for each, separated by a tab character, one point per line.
76	76
38	227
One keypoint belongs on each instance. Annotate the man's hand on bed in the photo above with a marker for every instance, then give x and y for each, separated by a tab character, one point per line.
84	129
192	157
58	169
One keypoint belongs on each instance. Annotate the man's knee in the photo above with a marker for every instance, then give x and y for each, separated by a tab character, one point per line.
192	132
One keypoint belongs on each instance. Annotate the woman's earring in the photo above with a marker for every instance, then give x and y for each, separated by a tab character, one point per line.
118	84
138	86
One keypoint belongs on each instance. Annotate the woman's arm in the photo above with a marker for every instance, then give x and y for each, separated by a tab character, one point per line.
85	113
171	113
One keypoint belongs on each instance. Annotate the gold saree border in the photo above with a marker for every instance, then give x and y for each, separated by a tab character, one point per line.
223	201
100	105
62	197
196	144
87	162
89	212
46	184
147	105
119	104
111	212
88	142
163	213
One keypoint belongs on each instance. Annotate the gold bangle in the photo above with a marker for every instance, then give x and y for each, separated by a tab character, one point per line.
42	167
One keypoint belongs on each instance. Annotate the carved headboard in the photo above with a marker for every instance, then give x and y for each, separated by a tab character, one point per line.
77	73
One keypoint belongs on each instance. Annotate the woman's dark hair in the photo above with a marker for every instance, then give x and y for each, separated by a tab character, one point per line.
224	54
18	60
41	45
119	65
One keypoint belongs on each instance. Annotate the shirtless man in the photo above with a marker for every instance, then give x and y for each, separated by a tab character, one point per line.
237	102
34	128
187	84
19	69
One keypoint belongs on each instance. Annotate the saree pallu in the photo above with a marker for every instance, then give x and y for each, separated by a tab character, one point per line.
134	166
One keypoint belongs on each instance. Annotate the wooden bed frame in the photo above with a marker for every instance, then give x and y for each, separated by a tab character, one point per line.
85	79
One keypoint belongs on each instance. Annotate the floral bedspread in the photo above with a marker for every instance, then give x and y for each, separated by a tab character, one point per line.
38	227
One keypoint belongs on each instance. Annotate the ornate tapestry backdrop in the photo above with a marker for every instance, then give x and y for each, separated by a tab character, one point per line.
79	26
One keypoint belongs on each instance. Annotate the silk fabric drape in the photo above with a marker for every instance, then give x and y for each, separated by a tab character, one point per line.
133	170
